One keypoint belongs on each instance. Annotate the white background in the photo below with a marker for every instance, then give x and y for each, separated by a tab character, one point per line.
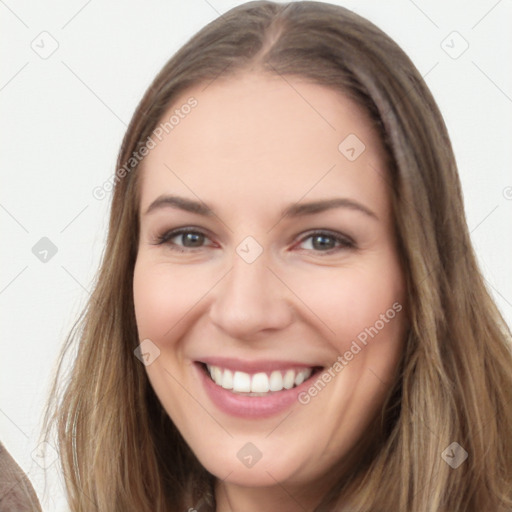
63	119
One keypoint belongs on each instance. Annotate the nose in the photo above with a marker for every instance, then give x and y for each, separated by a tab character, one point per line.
251	299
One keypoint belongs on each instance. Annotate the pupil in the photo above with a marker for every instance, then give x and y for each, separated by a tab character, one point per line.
322	244
192	239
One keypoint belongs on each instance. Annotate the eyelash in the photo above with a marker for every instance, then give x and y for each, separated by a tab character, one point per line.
344	241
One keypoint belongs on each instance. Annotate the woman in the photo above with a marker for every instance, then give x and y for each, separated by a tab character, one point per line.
289	314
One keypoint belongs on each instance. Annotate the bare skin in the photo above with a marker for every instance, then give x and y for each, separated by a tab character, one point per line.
250	148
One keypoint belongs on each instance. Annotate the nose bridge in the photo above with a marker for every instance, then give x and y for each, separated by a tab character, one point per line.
250	298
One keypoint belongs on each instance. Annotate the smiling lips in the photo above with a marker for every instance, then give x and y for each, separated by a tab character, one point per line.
253	389
258	383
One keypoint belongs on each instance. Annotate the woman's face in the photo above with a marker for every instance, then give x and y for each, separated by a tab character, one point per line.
268	299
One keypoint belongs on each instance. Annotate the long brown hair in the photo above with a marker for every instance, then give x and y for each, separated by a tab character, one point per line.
119	449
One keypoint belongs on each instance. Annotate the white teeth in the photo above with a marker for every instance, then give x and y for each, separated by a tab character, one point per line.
299	379
227	379
289	378
242	382
217	375
259	383
276	381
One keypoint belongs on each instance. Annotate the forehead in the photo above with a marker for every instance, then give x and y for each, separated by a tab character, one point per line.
254	139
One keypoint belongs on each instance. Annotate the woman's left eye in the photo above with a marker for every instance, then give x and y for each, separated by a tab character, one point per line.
327	242
186	239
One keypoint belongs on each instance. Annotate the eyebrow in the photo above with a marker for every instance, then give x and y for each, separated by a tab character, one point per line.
293	210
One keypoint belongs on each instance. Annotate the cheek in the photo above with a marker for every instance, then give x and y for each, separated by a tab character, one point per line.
162	297
350	302
153	300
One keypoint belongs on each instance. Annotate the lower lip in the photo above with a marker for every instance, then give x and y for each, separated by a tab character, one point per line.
250	406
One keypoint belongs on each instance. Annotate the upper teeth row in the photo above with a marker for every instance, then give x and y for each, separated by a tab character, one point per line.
259	382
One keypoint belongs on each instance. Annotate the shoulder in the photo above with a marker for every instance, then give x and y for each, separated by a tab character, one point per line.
16	491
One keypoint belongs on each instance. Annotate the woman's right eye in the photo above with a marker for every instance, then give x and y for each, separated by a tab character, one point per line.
182	240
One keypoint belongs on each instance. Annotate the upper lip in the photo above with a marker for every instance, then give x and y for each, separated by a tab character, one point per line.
254	366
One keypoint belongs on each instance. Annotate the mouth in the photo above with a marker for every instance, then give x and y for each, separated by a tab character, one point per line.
259	383
254	389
